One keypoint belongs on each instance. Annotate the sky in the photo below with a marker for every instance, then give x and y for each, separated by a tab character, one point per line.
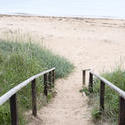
97	8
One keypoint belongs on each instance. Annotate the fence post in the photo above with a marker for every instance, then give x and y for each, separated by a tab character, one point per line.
102	94
90	82
53	77
34	105
13	110
84	77
45	85
121	111
50	79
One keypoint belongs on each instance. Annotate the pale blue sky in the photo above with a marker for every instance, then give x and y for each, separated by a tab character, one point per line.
104	8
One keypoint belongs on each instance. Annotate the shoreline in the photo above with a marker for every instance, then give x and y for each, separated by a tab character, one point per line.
59	17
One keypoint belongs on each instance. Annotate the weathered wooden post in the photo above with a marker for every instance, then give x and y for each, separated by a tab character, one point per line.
90	82
53	77
13	110
34	104
45	85
102	94
121	111
50	79
84	77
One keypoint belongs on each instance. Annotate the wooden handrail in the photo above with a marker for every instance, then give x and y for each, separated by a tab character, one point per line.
103	81
115	88
49	78
14	90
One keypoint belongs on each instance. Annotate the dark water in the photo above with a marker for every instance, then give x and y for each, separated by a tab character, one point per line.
80	8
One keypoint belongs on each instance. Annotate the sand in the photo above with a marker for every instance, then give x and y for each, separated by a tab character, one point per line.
88	43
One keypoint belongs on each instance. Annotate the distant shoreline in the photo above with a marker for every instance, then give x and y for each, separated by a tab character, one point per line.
65	17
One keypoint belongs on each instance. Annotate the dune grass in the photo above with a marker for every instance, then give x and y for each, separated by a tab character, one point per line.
19	61
117	77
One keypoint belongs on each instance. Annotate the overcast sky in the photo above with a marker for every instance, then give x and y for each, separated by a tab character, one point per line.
108	8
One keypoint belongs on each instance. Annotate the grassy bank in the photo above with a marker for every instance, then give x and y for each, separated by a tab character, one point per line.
117	77
19	61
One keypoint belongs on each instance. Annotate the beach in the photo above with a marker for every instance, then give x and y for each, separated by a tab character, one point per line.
89	43
98	44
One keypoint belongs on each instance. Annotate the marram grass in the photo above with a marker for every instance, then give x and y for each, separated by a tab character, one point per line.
111	112
18	62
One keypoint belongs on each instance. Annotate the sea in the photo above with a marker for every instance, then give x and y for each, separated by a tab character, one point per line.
65	8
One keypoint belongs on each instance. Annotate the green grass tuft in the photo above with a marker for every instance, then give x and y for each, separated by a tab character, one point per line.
96	114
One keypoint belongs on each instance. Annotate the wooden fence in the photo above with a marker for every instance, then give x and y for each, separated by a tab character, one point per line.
49	78
104	82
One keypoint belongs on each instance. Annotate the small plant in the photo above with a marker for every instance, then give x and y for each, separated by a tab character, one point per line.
96	114
85	90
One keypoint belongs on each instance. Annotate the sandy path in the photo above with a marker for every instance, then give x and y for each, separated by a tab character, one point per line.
88	43
68	107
